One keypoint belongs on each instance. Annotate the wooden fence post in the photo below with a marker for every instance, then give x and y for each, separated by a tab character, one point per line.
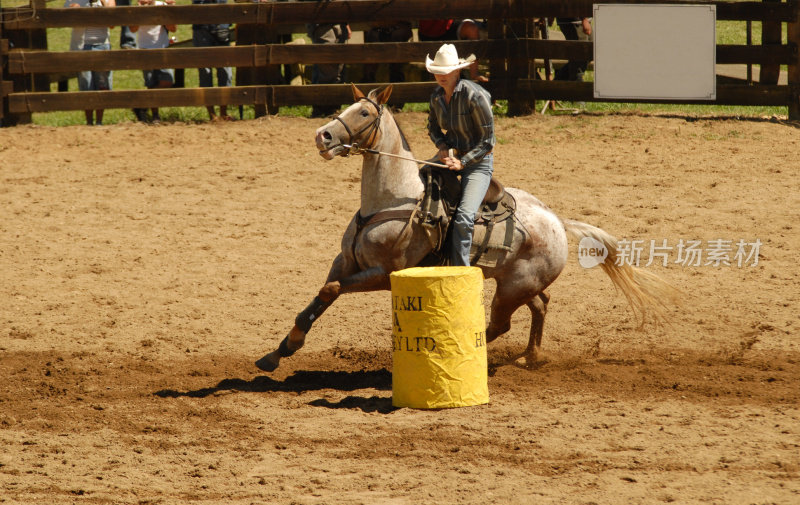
793	36
520	103
38	38
21	39
770	35
27	39
497	66
247	34
3	64
272	73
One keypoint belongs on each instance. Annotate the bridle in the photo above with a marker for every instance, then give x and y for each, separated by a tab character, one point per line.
371	129
364	147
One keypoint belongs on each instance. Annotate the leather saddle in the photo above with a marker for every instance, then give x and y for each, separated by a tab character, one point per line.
495	193
442	194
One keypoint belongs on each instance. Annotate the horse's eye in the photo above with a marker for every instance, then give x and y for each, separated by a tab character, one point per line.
364	113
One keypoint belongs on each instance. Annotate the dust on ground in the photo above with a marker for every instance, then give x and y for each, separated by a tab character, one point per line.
144	268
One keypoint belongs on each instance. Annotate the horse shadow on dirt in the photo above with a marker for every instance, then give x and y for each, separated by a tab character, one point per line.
377	404
303	381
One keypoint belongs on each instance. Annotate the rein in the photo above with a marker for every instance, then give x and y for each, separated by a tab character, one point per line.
355	149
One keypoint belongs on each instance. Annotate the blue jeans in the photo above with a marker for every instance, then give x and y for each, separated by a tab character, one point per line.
95	80
154	78
474	183
126	37
201	37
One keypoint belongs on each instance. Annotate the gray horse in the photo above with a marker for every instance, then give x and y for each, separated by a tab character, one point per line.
384	236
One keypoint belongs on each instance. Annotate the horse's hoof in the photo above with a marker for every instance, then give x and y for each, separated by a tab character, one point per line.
530	361
268	363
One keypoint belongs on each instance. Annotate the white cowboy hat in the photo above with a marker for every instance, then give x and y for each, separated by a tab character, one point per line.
447	60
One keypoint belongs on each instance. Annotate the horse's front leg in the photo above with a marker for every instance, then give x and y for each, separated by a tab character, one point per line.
372	279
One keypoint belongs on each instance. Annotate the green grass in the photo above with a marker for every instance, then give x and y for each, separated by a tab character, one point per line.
728	32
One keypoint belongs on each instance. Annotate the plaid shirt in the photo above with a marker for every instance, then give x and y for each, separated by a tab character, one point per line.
467	119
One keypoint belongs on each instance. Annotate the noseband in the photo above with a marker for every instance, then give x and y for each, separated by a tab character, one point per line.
371	130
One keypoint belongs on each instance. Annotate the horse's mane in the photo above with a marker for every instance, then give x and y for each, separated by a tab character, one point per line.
403	139
402	135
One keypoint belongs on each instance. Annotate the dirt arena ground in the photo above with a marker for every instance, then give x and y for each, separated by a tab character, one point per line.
143	269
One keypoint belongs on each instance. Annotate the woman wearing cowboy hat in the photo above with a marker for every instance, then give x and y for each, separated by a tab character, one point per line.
464	110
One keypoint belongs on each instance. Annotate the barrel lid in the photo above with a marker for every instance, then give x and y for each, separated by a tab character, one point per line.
428	272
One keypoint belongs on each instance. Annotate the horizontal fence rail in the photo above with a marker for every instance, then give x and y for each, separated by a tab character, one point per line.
337	94
26	61
512	43
299	13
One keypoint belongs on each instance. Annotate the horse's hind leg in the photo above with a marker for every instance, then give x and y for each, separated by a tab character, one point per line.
500	319
538	308
503	307
507	299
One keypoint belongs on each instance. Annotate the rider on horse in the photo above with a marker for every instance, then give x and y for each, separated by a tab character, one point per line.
464	110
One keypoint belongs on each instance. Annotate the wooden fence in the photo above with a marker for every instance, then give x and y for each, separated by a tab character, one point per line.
513	44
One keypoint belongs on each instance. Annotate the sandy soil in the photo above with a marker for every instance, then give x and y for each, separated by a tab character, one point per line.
144	269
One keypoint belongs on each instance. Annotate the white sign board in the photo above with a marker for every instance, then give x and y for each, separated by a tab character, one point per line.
655	51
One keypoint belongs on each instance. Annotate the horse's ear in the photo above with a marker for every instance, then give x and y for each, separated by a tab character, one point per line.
357	94
384	95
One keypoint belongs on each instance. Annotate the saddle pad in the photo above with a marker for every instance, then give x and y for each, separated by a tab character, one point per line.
501	241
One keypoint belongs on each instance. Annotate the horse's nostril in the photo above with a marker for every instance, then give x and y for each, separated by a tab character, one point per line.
326	135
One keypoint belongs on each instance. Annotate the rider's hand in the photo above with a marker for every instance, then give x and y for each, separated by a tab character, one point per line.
443	155
453	163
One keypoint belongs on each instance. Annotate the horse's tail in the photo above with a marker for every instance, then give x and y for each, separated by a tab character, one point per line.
647	293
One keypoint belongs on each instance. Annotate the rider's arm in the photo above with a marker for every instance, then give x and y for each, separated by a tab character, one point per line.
483	122
434	130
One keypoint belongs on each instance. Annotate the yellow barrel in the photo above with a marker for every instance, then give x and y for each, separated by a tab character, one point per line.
438	338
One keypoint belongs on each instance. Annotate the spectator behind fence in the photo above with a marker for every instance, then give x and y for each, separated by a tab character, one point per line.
294	71
154	37
127	40
75	44
453	29
93	38
388	31
213	36
573	29
327	73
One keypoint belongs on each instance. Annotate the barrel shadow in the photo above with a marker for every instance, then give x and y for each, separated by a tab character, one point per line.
299	382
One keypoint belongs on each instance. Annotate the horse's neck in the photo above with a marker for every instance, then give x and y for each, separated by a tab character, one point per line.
388	182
